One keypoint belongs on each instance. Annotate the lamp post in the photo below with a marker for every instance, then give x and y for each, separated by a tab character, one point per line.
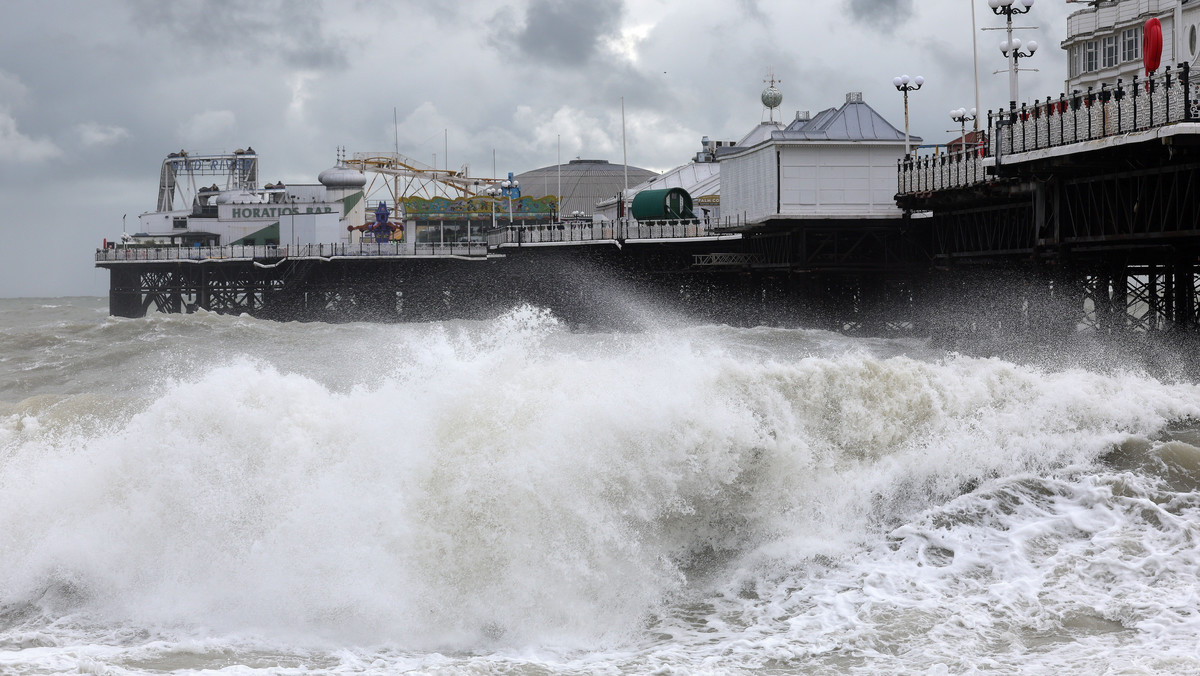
1011	48
511	188
508	188
906	85
492	193
962	116
477	193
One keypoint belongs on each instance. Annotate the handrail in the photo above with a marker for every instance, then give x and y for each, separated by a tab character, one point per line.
1163	98
581	232
608	231
1166	97
939	172
273	253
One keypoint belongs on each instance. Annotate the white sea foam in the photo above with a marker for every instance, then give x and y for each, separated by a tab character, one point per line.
477	496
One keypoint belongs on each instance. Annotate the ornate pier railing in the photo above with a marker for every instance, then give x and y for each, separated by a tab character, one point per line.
938	172
268	253
580	232
608	231
1164	98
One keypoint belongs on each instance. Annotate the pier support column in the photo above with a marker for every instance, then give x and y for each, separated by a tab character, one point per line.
1154	313
202	292
1183	274
1120	296
124	293
1056	302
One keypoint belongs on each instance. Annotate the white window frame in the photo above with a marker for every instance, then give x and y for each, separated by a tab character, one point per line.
1108	51
1131	44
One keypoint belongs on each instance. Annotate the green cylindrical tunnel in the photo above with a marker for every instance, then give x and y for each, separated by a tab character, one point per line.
668	204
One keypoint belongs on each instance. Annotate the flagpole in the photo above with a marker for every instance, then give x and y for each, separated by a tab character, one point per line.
558	191
975	56
624	159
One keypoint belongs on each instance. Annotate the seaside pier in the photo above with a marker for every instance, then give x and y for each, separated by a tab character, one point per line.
581	271
1075	213
856	276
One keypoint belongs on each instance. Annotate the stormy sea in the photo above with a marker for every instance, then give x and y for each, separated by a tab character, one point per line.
215	494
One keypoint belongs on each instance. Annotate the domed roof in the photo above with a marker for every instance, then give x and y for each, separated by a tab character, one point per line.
341	176
584	182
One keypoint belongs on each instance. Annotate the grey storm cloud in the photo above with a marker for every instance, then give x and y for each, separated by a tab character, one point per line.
752	10
881	14
286	29
567	32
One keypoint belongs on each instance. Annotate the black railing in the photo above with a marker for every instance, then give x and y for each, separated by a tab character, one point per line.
953	169
1164	98
1145	103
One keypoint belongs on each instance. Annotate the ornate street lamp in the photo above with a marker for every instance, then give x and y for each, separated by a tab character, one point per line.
962	116
1011	48
508	188
903	84
477	192
511	188
492	193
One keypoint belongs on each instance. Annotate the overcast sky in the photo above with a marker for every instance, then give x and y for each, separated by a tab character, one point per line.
95	93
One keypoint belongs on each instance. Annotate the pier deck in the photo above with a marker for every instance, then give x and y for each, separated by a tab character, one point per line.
1079	211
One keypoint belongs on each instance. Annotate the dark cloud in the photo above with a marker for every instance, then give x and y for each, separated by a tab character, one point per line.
752	10
289	31
567	31
885	15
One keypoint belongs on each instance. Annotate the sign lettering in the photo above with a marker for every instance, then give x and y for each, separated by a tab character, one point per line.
276	212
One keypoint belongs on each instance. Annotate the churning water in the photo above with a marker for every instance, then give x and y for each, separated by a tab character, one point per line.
217	494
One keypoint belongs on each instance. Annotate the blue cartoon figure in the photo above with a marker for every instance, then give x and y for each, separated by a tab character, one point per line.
381	220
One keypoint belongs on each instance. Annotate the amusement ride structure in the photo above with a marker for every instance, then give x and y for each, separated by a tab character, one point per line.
401	177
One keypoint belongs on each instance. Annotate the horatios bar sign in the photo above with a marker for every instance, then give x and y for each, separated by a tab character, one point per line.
275	212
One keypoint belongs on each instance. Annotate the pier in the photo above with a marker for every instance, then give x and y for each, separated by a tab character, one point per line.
1078	212
565	266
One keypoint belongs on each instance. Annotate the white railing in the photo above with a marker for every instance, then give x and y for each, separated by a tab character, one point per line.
583	232
939	172
277	252
608	231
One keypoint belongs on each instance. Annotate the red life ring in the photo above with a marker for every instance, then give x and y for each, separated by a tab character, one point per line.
1152	44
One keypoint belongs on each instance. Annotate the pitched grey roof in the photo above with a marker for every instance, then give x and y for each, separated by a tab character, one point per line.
854	121
761	132
813	122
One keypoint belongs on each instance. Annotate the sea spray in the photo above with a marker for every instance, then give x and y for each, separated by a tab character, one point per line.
515	491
